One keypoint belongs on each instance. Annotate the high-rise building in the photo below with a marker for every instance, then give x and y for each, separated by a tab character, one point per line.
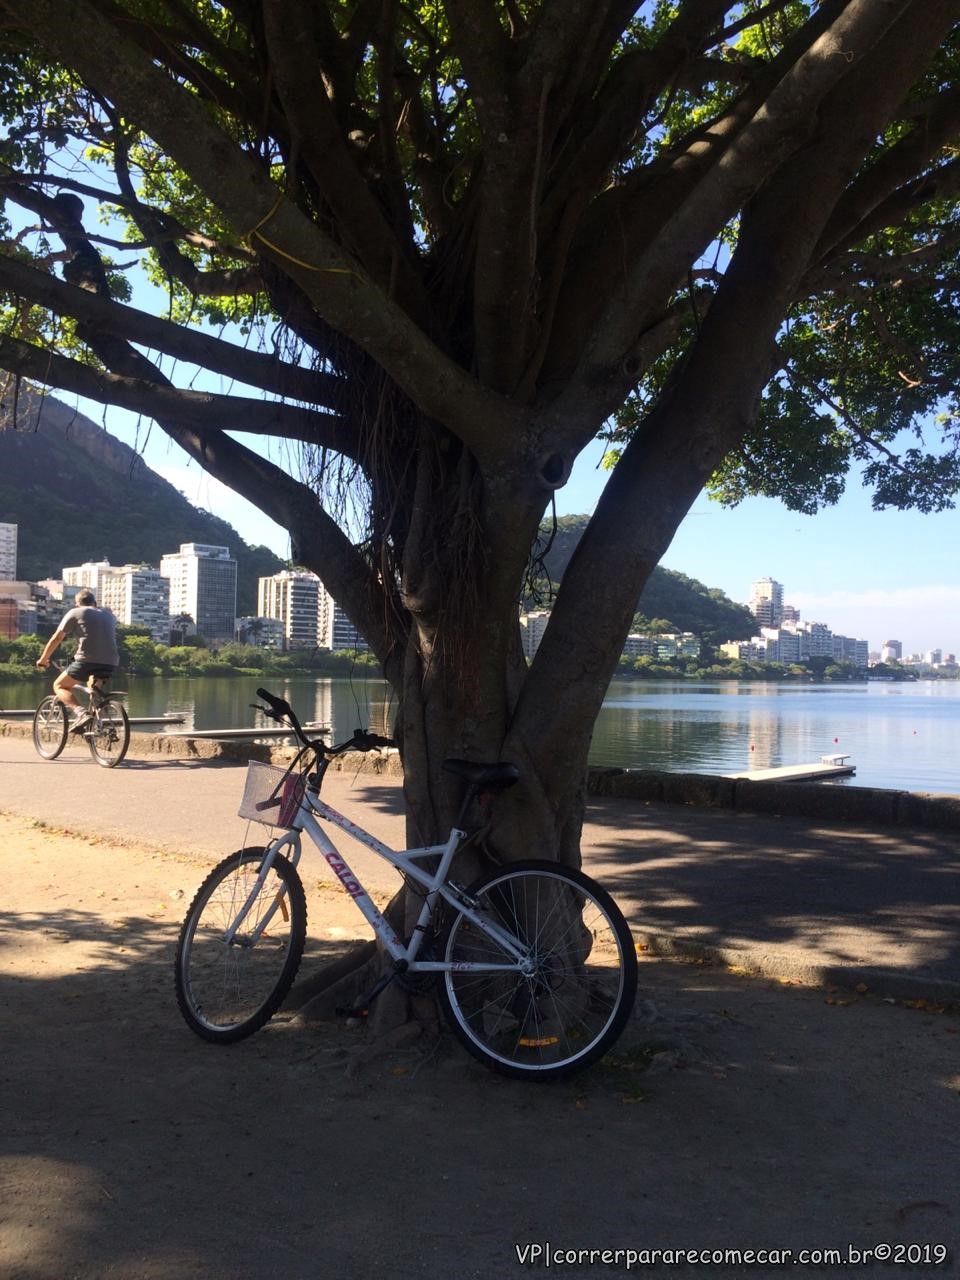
203	586
8	552
298	601
342	634
138	596
308	612
766	602
892	651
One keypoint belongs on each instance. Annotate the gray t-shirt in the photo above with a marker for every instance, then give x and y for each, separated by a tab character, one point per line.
97	629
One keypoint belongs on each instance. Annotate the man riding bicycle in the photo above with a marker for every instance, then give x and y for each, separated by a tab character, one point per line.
96	653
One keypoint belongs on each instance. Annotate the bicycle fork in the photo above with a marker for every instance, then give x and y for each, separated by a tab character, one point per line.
230	937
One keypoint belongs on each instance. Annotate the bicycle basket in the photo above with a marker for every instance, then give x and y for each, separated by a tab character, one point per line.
262	781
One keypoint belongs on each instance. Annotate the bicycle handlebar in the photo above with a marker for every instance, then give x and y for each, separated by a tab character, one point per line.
280	709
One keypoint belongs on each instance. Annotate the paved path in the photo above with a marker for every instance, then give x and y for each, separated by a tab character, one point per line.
786	896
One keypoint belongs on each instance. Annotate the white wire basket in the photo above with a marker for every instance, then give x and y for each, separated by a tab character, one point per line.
262	781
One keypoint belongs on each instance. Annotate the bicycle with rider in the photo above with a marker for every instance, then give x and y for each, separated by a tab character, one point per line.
96	653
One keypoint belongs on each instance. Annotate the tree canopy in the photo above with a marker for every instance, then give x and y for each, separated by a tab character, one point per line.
439	245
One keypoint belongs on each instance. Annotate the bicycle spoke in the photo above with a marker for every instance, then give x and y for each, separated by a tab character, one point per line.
227	990
571	999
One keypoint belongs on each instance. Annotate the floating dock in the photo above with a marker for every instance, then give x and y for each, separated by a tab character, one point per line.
241	734
825	767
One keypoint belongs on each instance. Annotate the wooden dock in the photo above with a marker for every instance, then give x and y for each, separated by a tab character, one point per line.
825	767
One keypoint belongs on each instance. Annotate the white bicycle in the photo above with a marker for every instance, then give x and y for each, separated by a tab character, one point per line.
537	968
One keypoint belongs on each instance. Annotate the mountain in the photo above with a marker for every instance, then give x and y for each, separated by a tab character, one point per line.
684	602
79	494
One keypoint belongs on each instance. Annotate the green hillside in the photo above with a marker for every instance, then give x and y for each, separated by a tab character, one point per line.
668	597
78	494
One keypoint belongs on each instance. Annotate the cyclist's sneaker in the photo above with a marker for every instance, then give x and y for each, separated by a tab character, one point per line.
80	721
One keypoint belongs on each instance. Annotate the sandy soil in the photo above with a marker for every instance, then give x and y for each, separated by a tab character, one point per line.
737	1113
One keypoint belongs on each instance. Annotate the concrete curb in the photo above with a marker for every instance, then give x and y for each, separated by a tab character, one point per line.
873	806
893	984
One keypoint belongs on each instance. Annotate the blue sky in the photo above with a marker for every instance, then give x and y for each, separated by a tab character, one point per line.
873	575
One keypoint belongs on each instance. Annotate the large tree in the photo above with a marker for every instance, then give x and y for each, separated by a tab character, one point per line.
442	244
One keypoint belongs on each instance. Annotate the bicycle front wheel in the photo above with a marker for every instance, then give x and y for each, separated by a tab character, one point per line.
568	1000
109	734
50	728
227	990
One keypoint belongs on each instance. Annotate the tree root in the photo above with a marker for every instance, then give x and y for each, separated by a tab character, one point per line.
397	1021
339	984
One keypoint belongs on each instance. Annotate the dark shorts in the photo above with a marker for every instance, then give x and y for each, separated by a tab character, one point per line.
84	670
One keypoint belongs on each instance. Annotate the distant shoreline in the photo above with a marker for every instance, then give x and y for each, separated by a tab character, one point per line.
342	664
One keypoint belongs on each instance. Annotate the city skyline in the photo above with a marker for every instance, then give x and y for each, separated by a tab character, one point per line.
878	575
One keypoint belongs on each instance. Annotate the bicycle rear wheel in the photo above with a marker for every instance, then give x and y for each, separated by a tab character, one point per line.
109	734
227	991
572	1001
50	728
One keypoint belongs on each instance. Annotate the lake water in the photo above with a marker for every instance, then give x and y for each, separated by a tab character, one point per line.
898	735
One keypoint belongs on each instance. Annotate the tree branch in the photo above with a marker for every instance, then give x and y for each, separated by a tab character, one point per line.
199	410
895	171
847	273
266	372
787	118
237	184
318	141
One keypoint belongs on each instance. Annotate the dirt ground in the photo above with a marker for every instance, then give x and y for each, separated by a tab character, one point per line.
736	1114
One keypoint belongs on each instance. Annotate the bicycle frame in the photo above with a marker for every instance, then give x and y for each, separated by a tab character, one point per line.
313	808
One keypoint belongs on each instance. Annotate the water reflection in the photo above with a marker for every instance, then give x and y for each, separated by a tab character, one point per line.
896	735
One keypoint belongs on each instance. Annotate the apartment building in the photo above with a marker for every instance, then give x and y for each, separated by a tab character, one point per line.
532	627
307	611
203	586
265	633
766	602
89	574
24	609
298	601
138	596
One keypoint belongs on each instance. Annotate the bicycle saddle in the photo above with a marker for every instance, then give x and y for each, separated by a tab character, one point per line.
501	774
